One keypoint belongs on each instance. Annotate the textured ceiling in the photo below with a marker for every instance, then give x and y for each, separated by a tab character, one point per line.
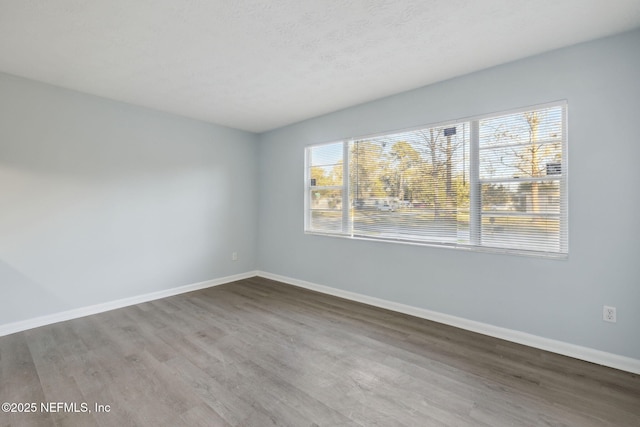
261	64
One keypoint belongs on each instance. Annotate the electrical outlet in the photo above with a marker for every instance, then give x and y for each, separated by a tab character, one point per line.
609	314
234	256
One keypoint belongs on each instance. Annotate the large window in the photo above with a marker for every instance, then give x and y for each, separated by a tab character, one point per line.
497	182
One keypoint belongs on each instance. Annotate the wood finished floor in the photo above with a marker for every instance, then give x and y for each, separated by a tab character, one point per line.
260	353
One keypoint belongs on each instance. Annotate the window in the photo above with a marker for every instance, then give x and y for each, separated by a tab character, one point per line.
496	182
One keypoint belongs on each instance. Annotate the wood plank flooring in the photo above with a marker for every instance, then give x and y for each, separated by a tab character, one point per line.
260	353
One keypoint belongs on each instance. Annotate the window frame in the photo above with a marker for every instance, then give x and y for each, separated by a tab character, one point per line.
475	190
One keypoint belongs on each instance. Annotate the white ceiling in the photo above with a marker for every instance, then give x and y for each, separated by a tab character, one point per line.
261	64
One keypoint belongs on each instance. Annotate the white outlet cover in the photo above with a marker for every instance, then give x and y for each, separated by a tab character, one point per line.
609	314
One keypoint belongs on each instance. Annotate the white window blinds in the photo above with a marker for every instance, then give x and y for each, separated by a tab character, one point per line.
495	182
523	181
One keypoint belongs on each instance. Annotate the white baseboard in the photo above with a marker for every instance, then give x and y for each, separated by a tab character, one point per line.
23	325
578	352
583	353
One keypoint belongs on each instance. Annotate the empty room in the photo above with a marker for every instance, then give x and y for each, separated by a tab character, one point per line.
320	213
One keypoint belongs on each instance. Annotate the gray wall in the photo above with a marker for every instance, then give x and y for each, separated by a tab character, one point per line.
556	299
101	200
